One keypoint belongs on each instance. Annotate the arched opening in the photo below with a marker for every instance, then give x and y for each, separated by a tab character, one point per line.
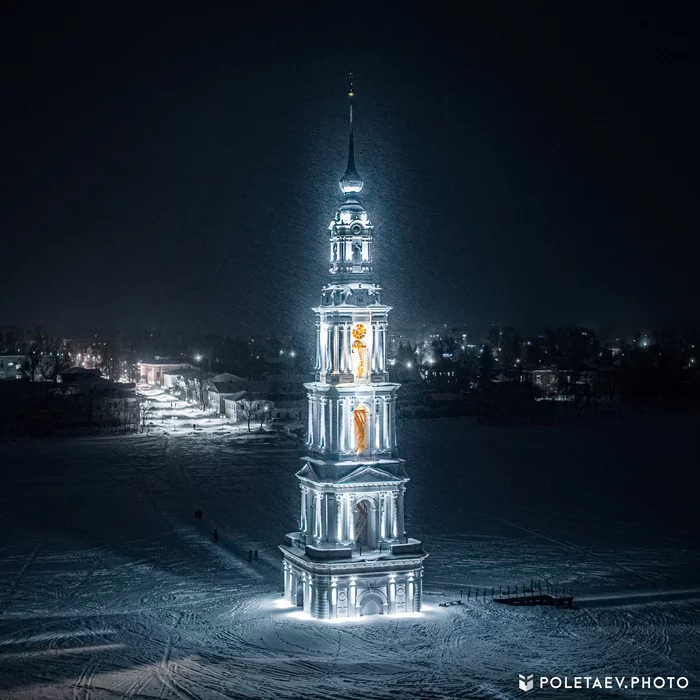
360	416
371	607
372	603
365	524
362	524
300	594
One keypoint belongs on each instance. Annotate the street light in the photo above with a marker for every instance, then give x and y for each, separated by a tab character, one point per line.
174	424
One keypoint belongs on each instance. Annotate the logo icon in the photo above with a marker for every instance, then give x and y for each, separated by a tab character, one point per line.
526	682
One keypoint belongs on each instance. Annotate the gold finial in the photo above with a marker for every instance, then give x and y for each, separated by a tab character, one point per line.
351	81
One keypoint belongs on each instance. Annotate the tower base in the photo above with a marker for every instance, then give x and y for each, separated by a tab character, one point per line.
353	585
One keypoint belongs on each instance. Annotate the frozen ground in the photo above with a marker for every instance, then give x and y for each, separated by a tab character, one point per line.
109	588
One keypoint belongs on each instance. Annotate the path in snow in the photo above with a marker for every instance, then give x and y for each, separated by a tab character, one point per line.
109	588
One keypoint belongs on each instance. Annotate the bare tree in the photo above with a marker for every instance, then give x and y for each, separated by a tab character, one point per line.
146	411
247	410
200	388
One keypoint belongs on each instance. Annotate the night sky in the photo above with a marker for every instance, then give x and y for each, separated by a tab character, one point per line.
176	167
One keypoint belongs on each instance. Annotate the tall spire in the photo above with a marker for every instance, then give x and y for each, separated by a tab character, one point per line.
351	182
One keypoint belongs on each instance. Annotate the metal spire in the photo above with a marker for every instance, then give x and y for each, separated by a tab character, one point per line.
351	182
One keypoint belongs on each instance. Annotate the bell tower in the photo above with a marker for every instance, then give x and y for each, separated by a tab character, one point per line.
351	555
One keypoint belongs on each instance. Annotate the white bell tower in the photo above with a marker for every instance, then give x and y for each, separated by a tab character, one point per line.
351	555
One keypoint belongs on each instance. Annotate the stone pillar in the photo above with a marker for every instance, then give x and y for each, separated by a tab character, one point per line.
392	596
341	343
336	350
318	347
320	601
400	519
307	593
341	425
382	515
352	601
338	518
322	428
411	598
394	514
385	417
310	428
318	516
377	425
351	521
303	521
384	347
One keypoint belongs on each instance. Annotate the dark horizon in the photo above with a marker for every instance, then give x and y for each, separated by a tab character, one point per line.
172	171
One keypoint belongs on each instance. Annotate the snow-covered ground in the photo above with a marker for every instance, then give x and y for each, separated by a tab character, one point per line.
109	588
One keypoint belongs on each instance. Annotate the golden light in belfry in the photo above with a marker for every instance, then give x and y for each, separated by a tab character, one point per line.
360	418
359	331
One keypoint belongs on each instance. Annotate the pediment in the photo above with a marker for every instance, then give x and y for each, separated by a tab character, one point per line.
368	473
308	472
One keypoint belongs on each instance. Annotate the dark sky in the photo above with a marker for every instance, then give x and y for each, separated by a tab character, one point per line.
176	167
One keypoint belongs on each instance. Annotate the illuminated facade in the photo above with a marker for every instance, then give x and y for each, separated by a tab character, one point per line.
351	555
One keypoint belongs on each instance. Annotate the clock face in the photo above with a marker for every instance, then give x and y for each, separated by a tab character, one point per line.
359	331
359	299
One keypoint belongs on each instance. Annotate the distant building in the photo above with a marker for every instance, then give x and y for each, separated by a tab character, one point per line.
153	372
219	390
11	366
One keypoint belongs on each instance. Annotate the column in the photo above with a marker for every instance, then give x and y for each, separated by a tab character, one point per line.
322	431
341	331
394	519
318	346
336	350
373	335
384	347
309	514
339	517
385	418
318	532
399	515
392	595
341	425
310	428
418	603
303	521
320	610
411	599
375	423
329	349
351	520
348	349
352	597
382	515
